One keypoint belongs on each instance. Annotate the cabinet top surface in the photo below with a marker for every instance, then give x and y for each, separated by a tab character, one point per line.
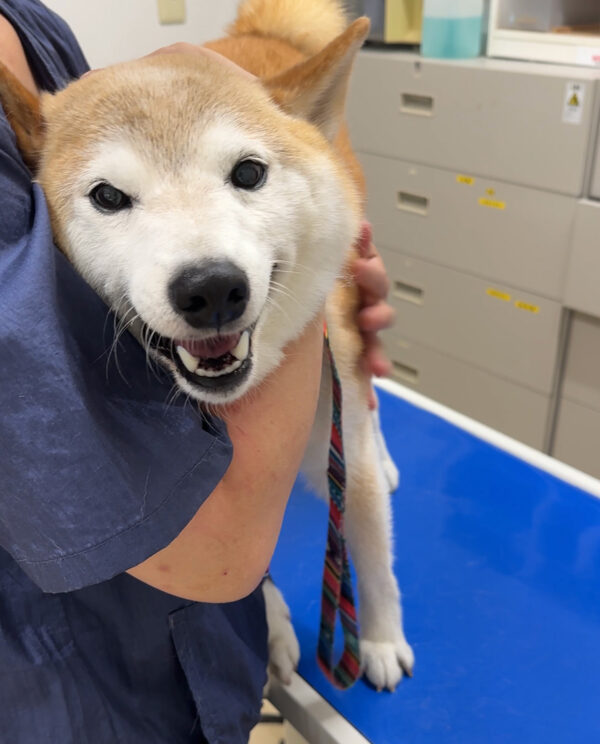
488	64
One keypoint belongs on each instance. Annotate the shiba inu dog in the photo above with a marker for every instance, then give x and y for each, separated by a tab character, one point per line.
214	214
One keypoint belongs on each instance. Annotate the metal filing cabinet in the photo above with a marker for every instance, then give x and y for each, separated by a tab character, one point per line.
474	171
510	333
577	436
582	291
497	402
491	229
577	432
595	180
504	120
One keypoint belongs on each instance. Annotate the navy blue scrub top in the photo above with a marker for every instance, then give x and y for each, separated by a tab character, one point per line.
97	474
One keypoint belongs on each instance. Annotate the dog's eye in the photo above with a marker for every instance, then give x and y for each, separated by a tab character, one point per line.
248	174
109	199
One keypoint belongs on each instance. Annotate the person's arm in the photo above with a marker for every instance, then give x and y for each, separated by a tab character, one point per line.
225	550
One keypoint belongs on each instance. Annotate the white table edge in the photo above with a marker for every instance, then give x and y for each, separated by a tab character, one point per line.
524	452
311	715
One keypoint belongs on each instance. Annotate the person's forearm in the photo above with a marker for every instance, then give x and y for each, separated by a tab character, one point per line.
13	56
223	552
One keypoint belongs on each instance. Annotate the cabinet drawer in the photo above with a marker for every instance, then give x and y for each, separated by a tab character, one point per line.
503	405
582	290
595	188
581	382
577	438
507	332
505	120
507	233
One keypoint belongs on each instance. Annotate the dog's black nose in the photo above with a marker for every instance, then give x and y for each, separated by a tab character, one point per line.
211	295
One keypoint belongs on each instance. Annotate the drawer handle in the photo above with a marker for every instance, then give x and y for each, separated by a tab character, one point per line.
414	203
409	292
405	373
417	105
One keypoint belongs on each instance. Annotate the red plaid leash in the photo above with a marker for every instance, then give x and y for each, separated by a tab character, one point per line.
337	595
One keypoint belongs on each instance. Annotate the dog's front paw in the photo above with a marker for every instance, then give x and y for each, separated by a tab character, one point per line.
284	649
284	652
384	663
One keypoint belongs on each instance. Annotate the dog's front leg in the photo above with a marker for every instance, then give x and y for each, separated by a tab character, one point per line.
385	653
284	650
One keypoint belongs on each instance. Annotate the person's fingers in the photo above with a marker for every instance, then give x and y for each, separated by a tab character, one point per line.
374	360
364	244
376	317
371	277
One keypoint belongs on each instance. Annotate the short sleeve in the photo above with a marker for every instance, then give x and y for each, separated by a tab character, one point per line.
99	471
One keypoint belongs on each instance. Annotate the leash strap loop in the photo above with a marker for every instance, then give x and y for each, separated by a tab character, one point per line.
337	595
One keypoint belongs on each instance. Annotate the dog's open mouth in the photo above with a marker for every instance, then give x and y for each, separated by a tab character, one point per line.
216	362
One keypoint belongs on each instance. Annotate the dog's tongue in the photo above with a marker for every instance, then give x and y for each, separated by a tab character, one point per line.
210	348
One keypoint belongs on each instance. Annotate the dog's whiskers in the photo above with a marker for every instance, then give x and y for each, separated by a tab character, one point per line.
123	323
152	365
282	289
272	302
174	393
297	268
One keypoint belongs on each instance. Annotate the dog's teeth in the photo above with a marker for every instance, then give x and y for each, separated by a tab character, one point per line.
189	362
241	350
201	372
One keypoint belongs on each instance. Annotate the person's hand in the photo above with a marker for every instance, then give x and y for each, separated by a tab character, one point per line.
375	314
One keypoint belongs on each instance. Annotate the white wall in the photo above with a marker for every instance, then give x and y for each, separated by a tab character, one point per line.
115	30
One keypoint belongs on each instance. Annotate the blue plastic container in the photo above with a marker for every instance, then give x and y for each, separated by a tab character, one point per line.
452	28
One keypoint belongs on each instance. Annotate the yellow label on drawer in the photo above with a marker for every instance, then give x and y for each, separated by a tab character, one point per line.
469	180
492	203
499	295
526	306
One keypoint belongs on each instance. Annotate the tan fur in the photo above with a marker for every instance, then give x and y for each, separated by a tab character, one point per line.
307	25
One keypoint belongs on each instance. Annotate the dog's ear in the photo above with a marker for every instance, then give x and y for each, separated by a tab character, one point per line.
23	112
316	88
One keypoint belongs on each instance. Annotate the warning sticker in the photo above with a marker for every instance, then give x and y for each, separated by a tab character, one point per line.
498	294
526	306
493	203
574	100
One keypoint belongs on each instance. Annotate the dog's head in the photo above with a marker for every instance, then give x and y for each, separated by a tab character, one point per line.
209	210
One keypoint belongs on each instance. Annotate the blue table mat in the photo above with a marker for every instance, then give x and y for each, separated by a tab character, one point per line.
499	566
